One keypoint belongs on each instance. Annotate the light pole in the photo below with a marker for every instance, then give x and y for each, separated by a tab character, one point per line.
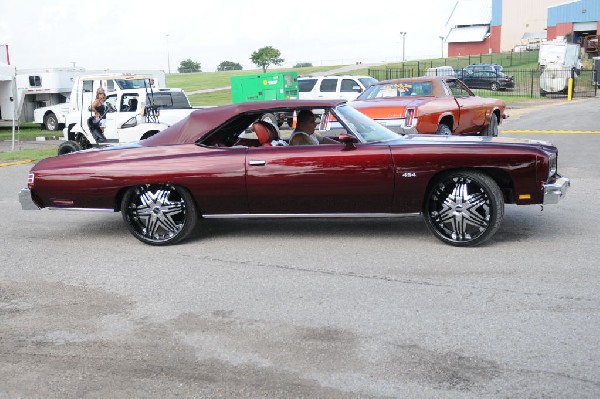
168	57
442	39
403	43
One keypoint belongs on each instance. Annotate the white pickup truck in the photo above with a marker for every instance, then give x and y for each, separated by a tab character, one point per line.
136	111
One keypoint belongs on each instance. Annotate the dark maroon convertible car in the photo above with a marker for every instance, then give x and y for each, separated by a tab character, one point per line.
223	162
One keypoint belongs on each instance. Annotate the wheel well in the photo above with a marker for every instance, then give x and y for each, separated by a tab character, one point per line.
502	179
448	121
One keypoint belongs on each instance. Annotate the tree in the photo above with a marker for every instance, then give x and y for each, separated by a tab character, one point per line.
188	66
229	66
303	65
266	56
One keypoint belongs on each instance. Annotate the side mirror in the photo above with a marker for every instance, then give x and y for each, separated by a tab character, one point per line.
348	141
357	89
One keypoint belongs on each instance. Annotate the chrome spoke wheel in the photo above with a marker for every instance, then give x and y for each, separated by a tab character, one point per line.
464	209
158	214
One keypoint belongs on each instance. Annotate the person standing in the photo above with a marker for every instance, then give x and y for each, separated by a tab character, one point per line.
99	108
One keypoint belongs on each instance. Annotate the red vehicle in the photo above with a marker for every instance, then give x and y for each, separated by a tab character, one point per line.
209	165
432	104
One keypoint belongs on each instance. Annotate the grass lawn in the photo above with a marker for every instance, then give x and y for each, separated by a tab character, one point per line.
26	154
27	131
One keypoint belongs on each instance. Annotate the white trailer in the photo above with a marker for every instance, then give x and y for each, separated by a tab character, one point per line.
8	94
42	95
558	61
560	53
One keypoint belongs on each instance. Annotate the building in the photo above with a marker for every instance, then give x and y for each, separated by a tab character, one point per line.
491	26
574	20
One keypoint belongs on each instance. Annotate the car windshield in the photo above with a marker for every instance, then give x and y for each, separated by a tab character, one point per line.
131	83
364	127
397	89
367	81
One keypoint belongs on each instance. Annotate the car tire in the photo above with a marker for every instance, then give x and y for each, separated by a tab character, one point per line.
68	147
463	208
494	86
51	122
443	130
159	214
491	130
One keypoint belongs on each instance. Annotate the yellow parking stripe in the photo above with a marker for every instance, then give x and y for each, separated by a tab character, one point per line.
553	131
16	163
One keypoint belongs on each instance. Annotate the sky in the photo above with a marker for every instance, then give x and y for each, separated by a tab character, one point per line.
151	35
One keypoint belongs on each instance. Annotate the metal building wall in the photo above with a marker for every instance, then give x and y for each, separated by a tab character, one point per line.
521	16
579	11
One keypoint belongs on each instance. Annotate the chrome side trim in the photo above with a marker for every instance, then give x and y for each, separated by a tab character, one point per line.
309	215
58	208
554	192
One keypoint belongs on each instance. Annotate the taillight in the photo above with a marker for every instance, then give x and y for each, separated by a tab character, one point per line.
409	117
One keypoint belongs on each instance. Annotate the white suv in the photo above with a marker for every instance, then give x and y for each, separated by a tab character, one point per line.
330	87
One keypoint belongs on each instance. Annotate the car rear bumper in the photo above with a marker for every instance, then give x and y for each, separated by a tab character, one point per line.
27	203
554	192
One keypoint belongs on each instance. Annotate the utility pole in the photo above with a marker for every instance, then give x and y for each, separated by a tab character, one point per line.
442	39
168	57
403	44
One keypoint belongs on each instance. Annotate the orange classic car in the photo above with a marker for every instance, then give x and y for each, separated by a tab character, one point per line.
432	104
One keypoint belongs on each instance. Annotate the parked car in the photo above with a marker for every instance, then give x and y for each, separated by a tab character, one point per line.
441	71
208	166
488	80
430	104
347	87
483	67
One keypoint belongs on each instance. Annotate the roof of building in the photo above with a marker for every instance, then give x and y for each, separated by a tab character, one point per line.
468	34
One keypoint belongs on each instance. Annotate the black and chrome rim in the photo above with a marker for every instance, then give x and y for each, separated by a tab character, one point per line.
156	212
460	209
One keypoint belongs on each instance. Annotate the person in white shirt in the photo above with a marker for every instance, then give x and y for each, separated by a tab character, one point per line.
304	134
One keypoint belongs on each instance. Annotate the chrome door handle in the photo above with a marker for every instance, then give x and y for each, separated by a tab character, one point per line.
257	163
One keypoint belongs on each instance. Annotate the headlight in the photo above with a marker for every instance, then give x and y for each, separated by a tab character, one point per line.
552	164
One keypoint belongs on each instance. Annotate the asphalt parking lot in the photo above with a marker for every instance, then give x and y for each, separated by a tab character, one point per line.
307	308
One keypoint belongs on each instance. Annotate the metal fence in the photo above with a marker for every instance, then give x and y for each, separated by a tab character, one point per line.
528	83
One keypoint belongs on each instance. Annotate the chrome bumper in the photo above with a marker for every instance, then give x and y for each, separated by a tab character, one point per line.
554	192
27	203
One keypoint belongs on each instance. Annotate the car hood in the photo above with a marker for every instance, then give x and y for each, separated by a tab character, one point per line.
437	139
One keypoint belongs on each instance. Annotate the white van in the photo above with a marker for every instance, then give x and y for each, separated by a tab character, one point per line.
331	87
441	71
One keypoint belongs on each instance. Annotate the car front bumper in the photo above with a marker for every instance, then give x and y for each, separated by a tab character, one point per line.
27	203
554	192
